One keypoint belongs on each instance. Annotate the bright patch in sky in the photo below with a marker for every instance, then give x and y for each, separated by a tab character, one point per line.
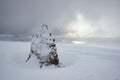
79	17
80	27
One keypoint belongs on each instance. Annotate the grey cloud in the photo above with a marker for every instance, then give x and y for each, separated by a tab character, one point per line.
23	17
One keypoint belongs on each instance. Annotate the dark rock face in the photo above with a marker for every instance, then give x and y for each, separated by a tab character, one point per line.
43	47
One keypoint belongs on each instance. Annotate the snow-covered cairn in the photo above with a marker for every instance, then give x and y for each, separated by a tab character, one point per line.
43	47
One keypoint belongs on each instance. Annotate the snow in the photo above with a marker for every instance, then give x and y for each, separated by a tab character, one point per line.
40	40
43	47
82	62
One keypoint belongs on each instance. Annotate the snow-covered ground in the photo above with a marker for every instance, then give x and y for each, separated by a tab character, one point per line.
82	62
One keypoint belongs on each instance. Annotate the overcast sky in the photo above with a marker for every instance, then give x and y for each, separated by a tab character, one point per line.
67	19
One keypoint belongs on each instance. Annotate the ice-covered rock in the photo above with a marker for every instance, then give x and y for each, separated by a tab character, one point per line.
43	47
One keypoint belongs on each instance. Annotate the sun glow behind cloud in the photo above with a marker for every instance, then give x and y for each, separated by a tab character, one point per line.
80	27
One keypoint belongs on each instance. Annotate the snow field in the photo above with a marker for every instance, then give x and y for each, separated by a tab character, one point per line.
82	62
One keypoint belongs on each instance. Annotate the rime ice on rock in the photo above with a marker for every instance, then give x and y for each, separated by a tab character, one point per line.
43	47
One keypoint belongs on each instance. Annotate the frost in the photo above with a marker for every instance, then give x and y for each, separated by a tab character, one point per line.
43	47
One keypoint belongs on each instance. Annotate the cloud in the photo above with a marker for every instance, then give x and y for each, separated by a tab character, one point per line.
24	17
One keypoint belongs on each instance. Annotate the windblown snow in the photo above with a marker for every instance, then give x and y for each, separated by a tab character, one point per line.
82	62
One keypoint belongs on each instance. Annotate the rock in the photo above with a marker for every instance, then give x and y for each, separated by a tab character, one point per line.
43	47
